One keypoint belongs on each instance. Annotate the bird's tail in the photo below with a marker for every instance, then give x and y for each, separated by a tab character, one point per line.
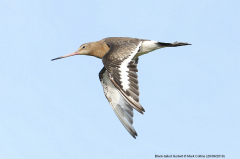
175	44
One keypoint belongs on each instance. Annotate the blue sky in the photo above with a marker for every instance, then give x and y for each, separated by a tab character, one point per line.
58	110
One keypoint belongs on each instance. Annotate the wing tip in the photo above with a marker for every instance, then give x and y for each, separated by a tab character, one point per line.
134	134
136	105
139	108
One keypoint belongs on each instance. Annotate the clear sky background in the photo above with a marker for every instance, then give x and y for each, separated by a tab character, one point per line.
57	109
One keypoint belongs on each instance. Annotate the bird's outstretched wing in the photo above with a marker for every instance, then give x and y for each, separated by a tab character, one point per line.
123	69
121	107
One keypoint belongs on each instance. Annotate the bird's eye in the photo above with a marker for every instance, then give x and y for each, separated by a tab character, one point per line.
83	47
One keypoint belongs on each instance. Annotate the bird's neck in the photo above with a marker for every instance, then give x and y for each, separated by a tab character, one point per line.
100	49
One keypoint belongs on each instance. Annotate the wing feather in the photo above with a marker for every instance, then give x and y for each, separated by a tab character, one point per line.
123	69
121	107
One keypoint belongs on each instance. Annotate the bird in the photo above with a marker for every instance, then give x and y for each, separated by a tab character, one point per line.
118	76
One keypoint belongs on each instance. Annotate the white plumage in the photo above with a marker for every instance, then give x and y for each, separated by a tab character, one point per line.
123	68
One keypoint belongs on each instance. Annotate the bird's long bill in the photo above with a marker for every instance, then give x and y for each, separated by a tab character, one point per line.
72	54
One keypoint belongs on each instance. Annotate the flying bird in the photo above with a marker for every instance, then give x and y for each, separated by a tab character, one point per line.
119	74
